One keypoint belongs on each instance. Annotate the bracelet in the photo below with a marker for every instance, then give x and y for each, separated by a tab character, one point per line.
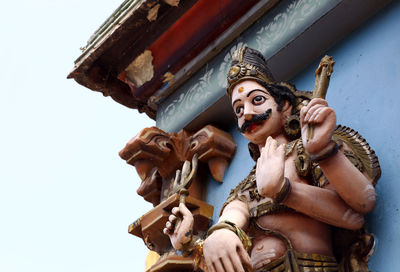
187	248
283	192
220	225
195	250
198	253
234	228
331	149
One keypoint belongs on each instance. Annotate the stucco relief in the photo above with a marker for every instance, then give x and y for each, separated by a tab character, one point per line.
285	22
189	100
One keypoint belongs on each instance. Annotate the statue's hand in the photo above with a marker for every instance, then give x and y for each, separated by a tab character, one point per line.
180	232
323	119
270	168
223	251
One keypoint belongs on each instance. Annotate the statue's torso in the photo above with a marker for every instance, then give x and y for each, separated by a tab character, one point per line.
305	234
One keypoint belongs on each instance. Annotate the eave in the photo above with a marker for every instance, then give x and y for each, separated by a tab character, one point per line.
175	32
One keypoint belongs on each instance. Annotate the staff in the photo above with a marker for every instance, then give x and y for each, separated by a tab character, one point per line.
322	78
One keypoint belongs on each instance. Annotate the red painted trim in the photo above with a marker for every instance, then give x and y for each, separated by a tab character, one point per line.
187	37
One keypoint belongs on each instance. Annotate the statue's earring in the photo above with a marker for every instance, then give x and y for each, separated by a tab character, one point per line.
292	126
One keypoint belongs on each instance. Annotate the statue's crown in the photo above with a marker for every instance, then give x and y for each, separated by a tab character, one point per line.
248	63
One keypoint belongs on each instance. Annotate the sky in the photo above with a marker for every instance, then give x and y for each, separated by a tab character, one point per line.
66	198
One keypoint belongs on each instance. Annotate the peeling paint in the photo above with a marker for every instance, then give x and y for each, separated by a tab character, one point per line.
153	12
173	3
141	70
169	77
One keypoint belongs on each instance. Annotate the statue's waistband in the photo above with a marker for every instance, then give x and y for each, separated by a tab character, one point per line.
294	261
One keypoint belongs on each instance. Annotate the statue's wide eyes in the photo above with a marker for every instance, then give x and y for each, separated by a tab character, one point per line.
258	100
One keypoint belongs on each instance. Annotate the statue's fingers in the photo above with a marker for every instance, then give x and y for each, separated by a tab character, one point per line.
245	258
281	150
183	209
169	226
218	266
316	101
315	114
226	262
266	148
259	165
172	218
235	259
272	148
311	111
210	266
166	231
175	211
303	112
323	114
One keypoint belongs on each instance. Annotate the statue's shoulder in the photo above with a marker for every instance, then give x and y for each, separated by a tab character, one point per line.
238	192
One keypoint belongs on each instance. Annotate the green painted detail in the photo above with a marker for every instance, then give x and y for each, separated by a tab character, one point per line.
268	35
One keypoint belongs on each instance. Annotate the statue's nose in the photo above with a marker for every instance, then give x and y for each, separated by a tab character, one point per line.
248	116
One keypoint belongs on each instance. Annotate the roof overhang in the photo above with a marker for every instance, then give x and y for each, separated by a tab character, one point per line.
141	47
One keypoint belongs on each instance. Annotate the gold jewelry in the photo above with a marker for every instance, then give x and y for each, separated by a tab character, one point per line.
198	253
220	225
283	192
195	250
234	228
292	126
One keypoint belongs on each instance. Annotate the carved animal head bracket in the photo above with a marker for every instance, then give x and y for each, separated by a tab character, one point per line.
157	155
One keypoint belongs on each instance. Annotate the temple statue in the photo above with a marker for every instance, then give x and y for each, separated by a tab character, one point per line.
302	206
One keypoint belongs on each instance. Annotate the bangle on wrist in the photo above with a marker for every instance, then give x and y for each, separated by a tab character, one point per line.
283	192
234	228
195	250
331	149
188	247
198	251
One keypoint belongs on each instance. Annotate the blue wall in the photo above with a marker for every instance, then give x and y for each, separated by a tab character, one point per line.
365	92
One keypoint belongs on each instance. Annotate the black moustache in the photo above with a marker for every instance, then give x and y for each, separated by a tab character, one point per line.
255	119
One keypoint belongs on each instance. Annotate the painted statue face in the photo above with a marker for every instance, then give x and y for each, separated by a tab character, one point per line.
256	112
